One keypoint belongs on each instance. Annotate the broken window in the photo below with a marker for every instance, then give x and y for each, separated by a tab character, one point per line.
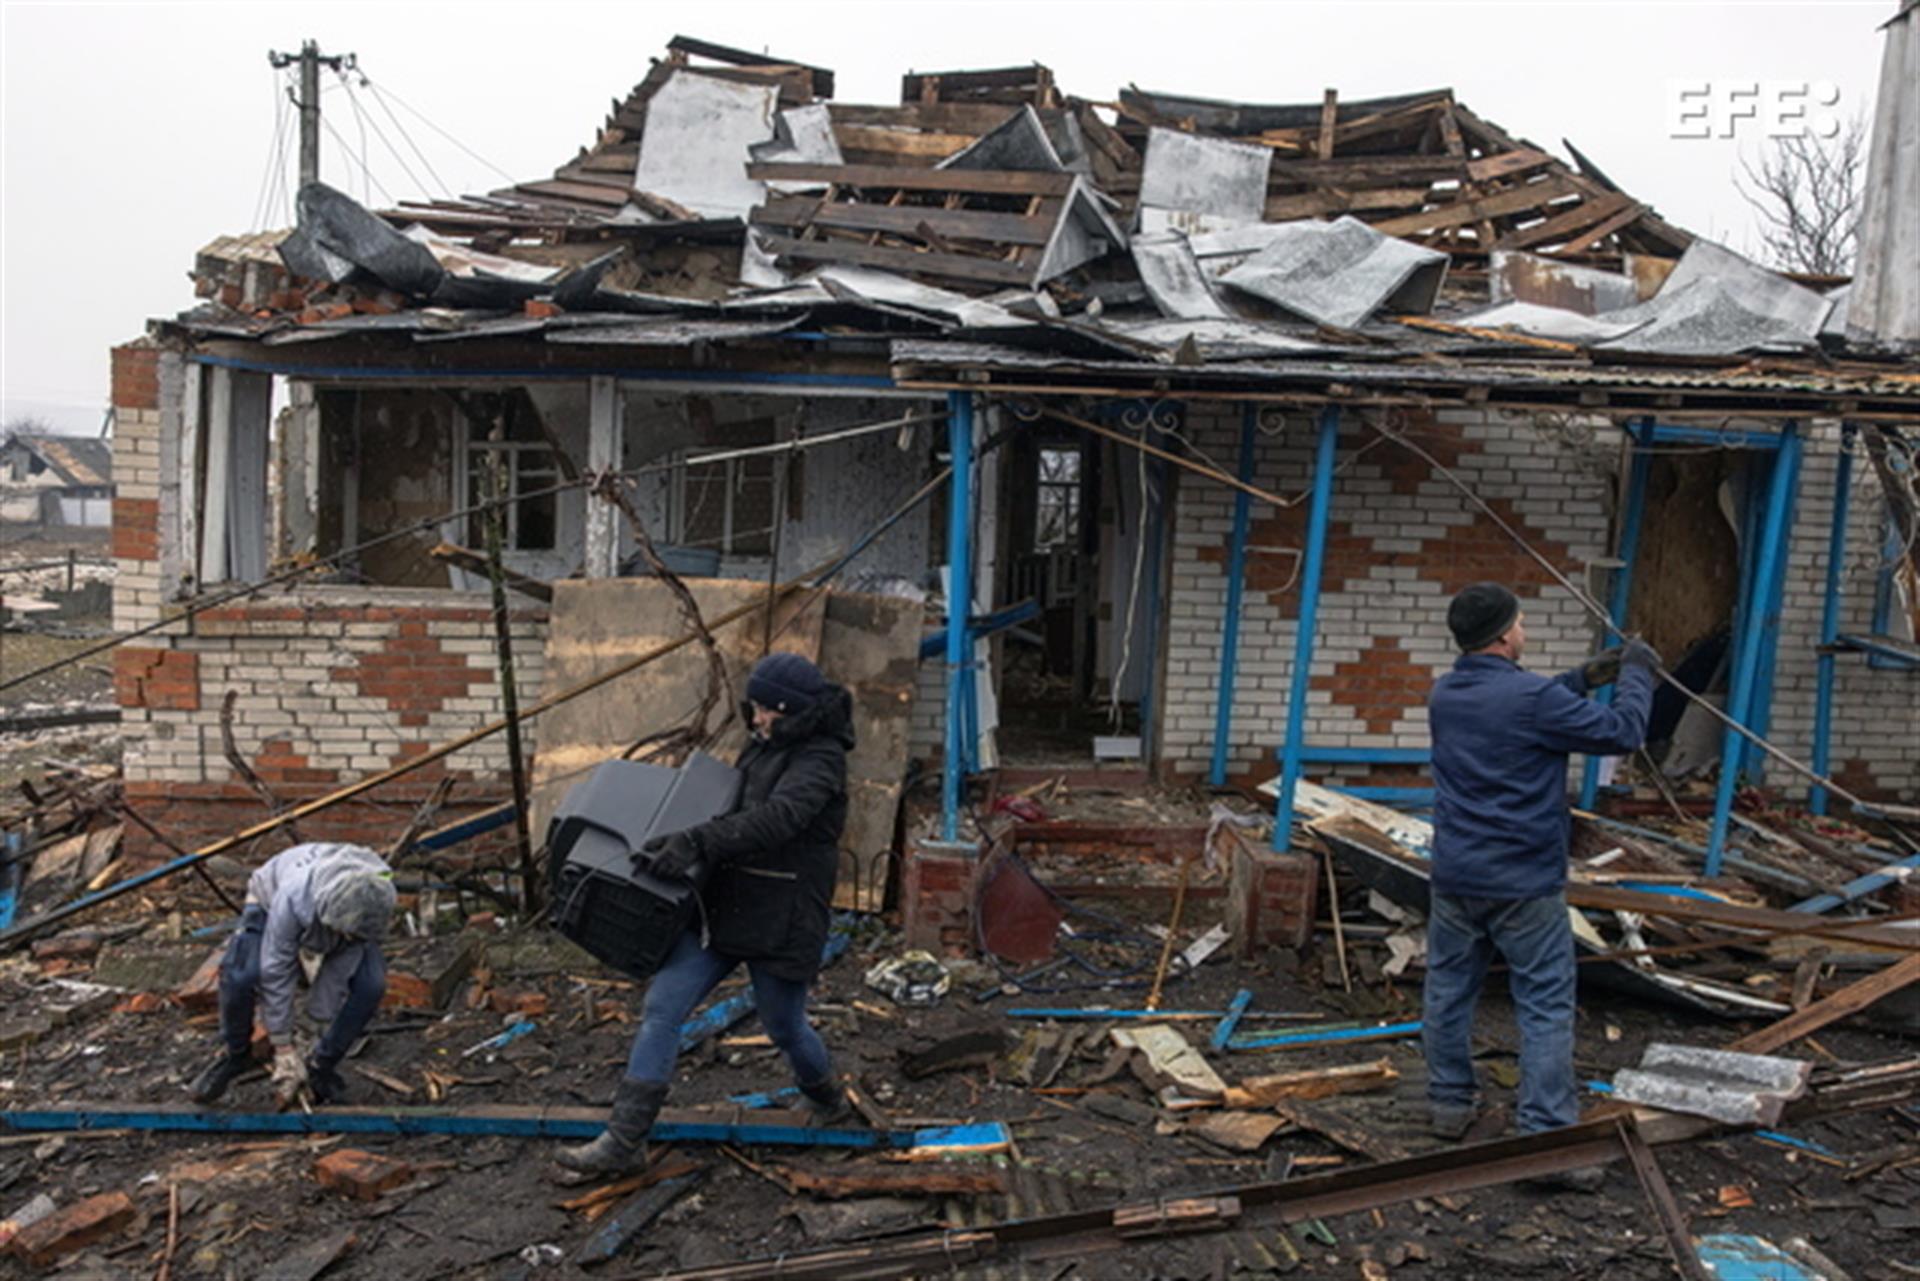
727	506
531	474
1057	516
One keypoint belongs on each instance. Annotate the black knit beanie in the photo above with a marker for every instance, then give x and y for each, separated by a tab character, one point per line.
785	683
1481	615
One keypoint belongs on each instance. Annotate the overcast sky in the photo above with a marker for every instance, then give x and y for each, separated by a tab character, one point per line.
131	134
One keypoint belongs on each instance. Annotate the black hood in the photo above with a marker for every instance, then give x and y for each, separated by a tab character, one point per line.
831	717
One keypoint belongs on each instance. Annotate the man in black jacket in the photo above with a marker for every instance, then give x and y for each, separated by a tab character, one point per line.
767	902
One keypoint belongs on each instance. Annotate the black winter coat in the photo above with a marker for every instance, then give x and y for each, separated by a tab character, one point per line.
776	855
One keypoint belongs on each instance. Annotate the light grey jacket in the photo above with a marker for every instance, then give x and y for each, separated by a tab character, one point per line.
291	886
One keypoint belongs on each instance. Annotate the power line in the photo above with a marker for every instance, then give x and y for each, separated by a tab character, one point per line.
348	151
426	524
406	136
378	92
354	100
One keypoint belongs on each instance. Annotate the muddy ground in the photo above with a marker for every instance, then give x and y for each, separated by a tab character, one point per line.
477	1203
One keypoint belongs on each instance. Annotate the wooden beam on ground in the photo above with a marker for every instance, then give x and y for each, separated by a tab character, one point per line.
1850	999
1613	899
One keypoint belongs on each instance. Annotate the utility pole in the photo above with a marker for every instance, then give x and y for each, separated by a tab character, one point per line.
308	100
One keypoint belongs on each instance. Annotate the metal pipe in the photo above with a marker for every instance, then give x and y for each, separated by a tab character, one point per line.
1308	615
1772	547
1155	532
1640	436
1236	576
959	605
1830	618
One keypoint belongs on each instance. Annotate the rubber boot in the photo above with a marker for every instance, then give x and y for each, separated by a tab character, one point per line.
222	1072
623	1144
828	1102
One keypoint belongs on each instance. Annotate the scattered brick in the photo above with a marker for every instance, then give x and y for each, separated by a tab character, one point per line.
142	1003
364	1176
75	945
407	992
202	991
74	1228
505	1001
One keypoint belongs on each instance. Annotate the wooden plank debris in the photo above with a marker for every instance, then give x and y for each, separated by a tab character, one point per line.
1237	1131
895	1180
1313	1083
632	1218
1850	999
305	1262
1164	1056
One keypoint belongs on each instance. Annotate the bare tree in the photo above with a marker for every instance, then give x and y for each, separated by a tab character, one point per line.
1805	191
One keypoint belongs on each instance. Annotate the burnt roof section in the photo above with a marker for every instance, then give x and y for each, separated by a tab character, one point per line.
728	202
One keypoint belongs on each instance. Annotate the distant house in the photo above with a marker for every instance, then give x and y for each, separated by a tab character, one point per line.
56	480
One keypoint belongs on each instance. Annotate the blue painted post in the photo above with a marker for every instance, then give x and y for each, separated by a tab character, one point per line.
959	606
1830	618
1754	760
1631	512
1295	746
1236	580
1771	548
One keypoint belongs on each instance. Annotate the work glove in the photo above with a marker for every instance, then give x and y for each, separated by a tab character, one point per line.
1637	653
673	858
1602	669
289	1074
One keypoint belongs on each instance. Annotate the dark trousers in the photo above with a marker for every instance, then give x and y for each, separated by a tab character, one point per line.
240	984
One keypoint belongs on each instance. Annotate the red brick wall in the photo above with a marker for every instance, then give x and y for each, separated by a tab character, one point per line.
156	678
136	528
936	896
136	376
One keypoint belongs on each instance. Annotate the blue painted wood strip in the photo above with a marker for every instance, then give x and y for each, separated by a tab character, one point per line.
530	1123
1315	1036
1223	1031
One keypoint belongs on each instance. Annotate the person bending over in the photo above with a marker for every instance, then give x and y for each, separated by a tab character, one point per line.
317	913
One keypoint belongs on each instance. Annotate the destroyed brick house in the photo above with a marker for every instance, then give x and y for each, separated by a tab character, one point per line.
1218	366
1211	407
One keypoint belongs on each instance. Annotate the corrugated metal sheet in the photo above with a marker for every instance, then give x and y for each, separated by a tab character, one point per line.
1884	303
1339	273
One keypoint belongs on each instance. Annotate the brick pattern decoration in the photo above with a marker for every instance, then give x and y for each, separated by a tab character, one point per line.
1402	541
157	679
412	673
329	686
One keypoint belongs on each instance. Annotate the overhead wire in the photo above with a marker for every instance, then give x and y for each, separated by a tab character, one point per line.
365	168
1605	618
426	524
406	136
353	100
276	154
379	91
360	118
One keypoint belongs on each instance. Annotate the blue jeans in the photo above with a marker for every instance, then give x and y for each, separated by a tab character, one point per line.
690	973
240	982
1534	938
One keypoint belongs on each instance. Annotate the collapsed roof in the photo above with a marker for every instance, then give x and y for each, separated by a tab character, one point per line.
728	199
